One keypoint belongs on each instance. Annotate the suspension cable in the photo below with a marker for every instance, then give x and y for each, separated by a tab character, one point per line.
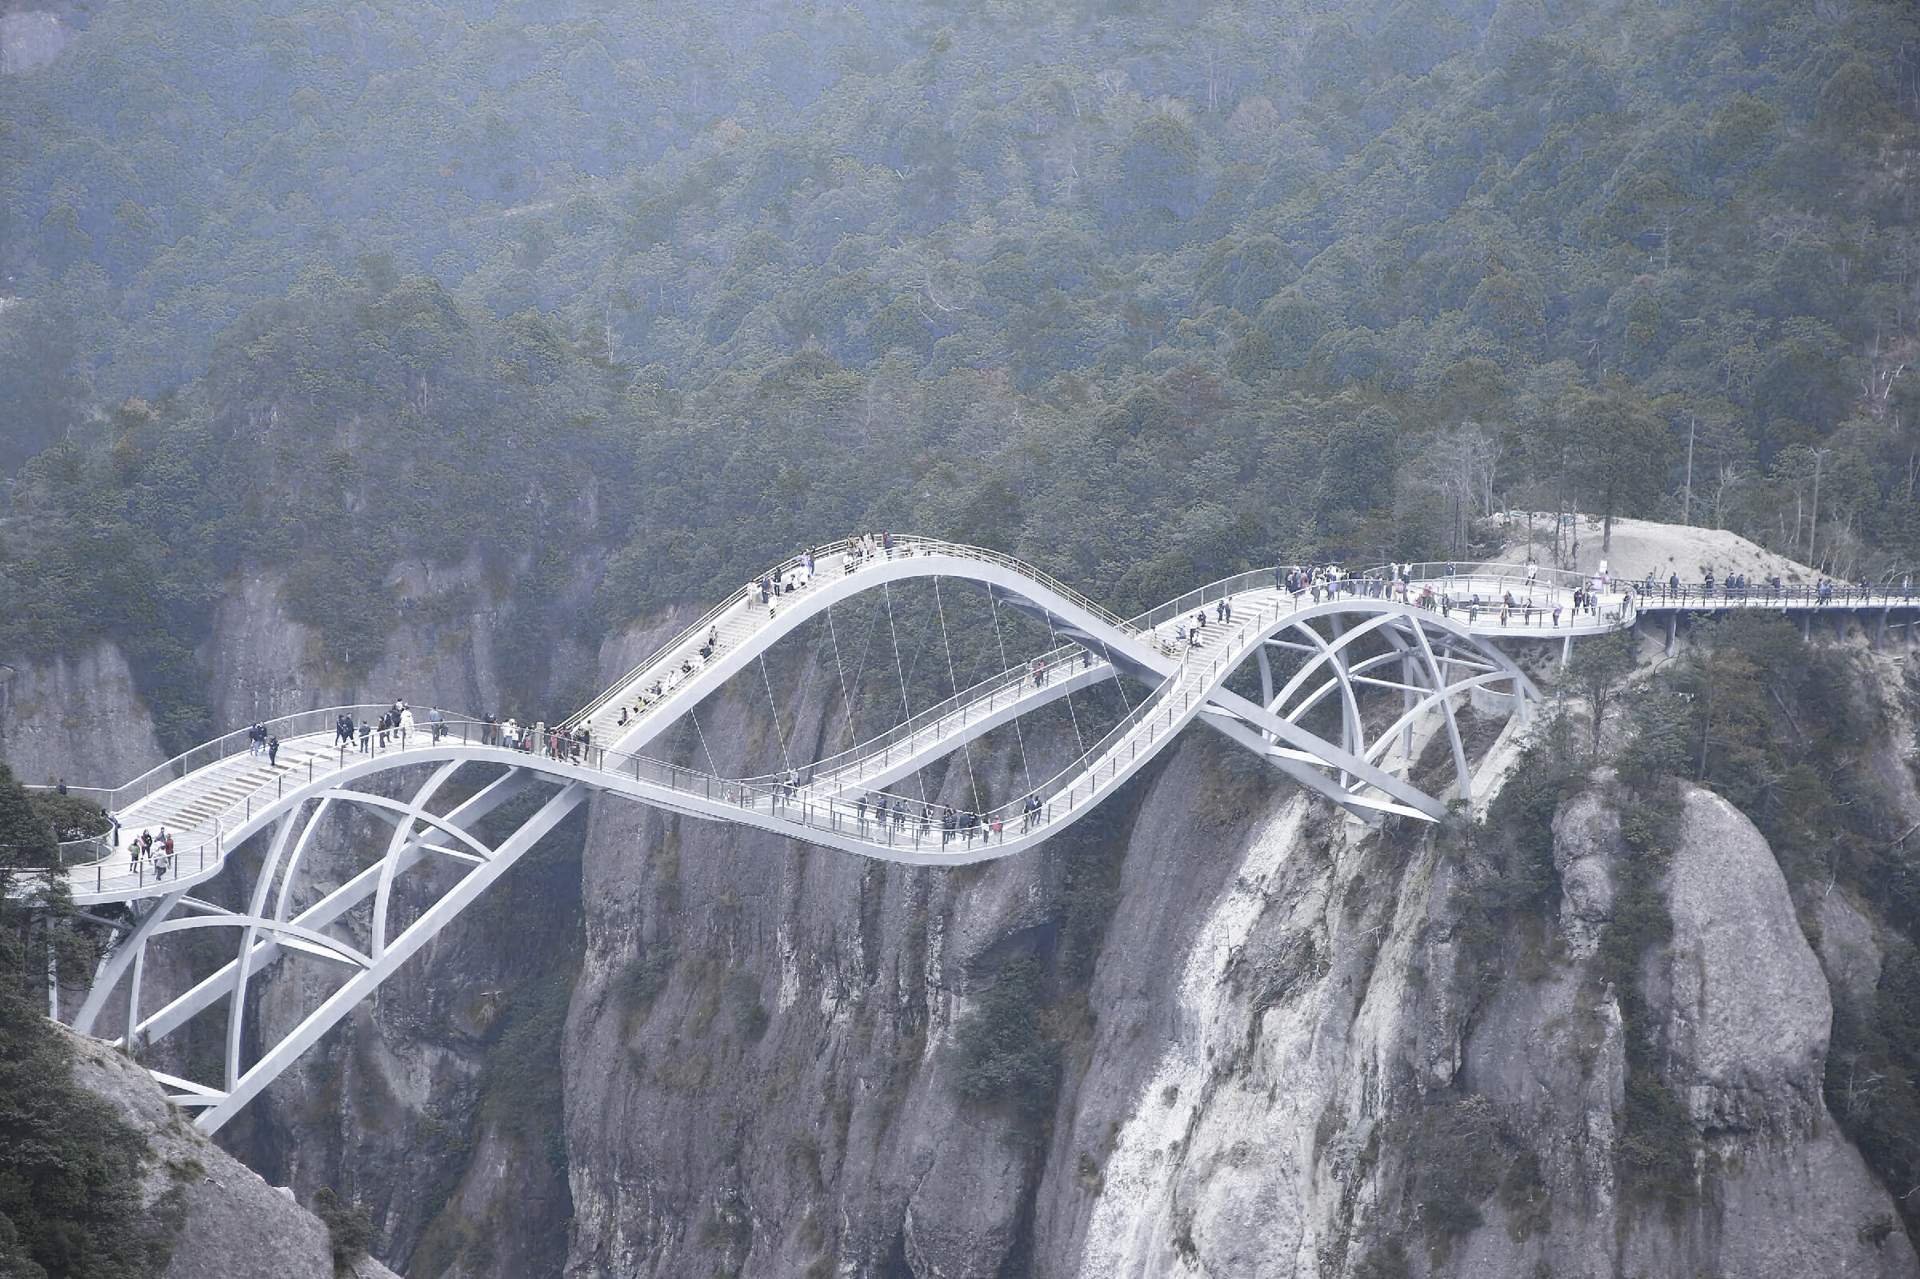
906	704
1117	681
693	713
966	748
1054	639
840	669
994	607
866	647
778	732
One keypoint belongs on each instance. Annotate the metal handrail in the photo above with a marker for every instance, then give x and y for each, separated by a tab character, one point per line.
707	620
904	546
938	713
1156	713
219	748
1099	764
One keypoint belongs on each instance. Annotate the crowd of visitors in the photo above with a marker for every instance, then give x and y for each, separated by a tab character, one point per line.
151	856
1447	592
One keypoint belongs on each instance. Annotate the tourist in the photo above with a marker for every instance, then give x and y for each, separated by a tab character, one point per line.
273	752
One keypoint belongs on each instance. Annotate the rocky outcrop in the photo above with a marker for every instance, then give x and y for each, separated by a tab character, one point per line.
30	39
232	1224
1282	1055
395	1109
451	643
78	718
1283	1052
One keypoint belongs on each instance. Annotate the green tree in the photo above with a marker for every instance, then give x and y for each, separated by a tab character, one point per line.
1598	670
1623	454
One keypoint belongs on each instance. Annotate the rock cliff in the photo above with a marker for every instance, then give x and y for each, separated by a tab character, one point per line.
232	1223
1269	1048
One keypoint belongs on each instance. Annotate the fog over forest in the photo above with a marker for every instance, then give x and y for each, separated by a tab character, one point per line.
484	344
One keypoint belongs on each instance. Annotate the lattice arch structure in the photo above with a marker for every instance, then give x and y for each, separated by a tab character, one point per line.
1320	661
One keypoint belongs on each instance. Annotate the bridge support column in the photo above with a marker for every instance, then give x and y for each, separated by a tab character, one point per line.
1408	700
1566	650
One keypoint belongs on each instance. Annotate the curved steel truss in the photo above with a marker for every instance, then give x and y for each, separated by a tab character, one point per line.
1346	683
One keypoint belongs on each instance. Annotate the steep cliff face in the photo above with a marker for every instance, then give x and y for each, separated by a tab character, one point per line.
77	718
666	1047
231	1223
1281	1059
416	1107
397	1110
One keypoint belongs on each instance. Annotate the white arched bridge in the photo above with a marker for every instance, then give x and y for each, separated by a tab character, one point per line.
1333	683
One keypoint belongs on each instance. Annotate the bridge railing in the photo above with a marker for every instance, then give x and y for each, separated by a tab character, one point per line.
966	706
904	546
927	545
204	840
1536	575
285	727
706	621
1698	595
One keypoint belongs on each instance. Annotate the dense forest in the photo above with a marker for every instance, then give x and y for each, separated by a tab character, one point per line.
616	304
1144	293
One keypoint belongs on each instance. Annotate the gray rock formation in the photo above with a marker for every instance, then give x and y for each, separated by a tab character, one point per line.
1280	1053
234	1225
30	39
78	718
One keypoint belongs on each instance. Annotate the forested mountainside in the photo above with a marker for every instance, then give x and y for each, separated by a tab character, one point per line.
1143	292
461	351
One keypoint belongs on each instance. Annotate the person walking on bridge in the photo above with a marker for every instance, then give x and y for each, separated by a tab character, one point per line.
273	751
406	724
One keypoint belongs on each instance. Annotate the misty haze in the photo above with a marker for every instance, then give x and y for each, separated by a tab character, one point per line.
932	640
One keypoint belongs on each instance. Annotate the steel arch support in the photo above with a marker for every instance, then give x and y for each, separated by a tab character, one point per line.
410	940
389	863
237	1001
119	960
325	911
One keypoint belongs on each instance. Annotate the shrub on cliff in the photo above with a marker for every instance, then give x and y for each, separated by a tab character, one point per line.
70	1169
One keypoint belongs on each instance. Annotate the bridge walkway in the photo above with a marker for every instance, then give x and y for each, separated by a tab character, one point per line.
208	796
